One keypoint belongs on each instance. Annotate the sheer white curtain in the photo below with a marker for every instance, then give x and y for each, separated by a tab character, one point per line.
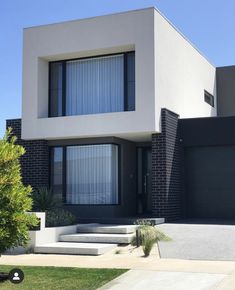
92	174
95	85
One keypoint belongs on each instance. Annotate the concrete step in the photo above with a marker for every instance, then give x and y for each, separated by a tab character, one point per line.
98	238
92	249
106	228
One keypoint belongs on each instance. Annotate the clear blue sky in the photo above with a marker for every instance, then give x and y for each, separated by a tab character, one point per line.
209	24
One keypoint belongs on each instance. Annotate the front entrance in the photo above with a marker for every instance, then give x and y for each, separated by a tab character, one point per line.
144	181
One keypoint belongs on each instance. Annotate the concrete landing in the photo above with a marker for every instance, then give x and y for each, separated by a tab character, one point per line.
122	221
93	249
98	238
106	228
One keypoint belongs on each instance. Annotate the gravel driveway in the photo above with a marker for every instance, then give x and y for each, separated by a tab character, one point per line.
199	241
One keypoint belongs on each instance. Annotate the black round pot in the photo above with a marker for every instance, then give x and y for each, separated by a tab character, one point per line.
3	276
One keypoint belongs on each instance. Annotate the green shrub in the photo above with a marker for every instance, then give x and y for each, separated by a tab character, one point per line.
148	235
44	199
143	222
59	217
15	199
118	251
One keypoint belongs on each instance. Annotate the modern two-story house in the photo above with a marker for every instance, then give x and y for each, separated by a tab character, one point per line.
122	116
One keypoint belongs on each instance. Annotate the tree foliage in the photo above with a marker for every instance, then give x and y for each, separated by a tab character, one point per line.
15	199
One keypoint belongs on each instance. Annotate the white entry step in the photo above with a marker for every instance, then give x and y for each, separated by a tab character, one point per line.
92	249
106	228
98	238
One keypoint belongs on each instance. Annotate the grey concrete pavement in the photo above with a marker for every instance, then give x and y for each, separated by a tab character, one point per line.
226	284
151	271
153	280
199	242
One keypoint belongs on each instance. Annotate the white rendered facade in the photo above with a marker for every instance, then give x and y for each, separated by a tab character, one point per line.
169	73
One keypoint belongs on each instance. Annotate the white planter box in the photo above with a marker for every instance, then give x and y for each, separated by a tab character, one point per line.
44	235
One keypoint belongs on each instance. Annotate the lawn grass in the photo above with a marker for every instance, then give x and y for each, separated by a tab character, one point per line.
50	278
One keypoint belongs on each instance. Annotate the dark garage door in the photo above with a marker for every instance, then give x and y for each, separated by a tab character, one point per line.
210	182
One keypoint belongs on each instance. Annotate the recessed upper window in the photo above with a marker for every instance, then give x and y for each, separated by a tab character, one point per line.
93	85
209	99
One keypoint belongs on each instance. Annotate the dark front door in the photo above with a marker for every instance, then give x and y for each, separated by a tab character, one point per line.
144	186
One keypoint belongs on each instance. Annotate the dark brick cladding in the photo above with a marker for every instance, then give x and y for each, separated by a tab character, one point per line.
167	169
35	162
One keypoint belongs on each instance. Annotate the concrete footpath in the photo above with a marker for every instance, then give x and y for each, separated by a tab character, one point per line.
145	279
145	273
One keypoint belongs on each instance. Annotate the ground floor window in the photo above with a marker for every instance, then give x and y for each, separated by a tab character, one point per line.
57	171
85	174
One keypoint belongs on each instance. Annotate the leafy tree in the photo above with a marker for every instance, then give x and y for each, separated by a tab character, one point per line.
15	200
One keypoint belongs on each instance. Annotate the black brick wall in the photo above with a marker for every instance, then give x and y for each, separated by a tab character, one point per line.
35	162
167	169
